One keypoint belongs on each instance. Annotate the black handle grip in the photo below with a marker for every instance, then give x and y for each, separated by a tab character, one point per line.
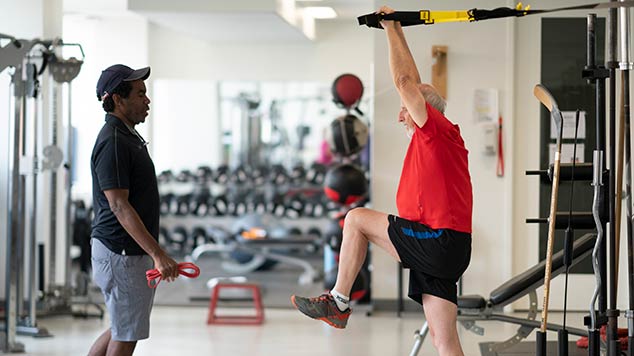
540	345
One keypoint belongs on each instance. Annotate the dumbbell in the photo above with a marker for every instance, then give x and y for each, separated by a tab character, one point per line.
260	174
178	240
315	233
240	175
199	236
278	175
199	205
165	177
294	232
204	174
313	203
220	205
316	173
294	206
256	202
184	176
298	174
166	201
319	209
221	175
276	206
182	204
237	205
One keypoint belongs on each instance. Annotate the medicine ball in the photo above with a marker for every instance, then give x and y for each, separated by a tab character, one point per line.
345	184
347	135
347	90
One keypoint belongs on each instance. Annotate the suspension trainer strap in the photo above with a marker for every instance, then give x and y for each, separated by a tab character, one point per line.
429	17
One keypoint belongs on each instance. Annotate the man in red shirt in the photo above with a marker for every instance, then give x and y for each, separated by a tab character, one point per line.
432	235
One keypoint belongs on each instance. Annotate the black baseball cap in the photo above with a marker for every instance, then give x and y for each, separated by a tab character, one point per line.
112	76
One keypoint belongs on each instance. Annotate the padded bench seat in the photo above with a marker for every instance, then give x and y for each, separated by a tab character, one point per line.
472	301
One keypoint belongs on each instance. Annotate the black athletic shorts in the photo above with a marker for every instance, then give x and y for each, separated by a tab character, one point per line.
436	258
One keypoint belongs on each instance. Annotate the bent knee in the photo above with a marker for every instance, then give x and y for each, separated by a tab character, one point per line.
356	217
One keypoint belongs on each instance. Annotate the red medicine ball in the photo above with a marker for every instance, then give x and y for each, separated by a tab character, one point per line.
347	90
345	184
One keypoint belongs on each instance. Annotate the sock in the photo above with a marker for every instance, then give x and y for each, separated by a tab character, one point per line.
343	301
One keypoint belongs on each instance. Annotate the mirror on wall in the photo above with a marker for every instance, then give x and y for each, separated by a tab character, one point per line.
243	160
268	123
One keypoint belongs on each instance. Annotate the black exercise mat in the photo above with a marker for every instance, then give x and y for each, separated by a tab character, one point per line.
528	348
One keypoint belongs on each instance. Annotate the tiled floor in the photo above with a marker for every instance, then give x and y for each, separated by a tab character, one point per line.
181	331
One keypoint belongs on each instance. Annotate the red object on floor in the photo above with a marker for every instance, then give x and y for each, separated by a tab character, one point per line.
621	334
256	319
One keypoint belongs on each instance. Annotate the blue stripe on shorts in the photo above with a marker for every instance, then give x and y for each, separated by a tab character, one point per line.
422	234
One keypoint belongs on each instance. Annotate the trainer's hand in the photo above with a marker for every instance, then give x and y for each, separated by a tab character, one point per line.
386	10
167	266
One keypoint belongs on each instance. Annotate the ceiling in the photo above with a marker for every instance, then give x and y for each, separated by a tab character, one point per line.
235	21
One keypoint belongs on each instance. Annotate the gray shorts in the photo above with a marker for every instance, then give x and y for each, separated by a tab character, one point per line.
127	295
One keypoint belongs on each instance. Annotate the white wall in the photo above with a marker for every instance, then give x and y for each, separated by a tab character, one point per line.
186	129
342	47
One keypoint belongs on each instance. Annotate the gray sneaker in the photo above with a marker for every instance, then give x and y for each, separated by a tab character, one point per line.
322	308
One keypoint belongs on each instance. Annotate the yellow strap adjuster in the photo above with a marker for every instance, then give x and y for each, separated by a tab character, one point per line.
431	17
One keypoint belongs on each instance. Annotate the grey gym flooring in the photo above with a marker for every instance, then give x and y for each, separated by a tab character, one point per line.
183	331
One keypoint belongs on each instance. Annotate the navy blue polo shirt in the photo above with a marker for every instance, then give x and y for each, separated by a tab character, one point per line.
120	160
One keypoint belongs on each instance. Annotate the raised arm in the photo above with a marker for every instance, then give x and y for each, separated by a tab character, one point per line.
404	71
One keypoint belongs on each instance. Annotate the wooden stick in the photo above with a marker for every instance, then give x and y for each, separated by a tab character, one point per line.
544	96
619	187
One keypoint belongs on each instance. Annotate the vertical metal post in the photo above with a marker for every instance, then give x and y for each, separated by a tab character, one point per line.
13	258
27	325
612	313
20	248
626	65
32	287
591	73
69	196
601	134
52	253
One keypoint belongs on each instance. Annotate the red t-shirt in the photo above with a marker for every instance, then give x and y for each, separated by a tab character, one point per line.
435	186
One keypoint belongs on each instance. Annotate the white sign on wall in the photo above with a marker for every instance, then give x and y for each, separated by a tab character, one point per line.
567	152
485	105
569	118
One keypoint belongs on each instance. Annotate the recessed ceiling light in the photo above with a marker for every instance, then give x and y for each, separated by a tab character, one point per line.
321	12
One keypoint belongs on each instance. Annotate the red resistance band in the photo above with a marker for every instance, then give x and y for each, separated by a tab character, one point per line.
154	276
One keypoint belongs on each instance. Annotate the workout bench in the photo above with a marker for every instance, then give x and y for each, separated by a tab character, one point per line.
261	250
472	308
